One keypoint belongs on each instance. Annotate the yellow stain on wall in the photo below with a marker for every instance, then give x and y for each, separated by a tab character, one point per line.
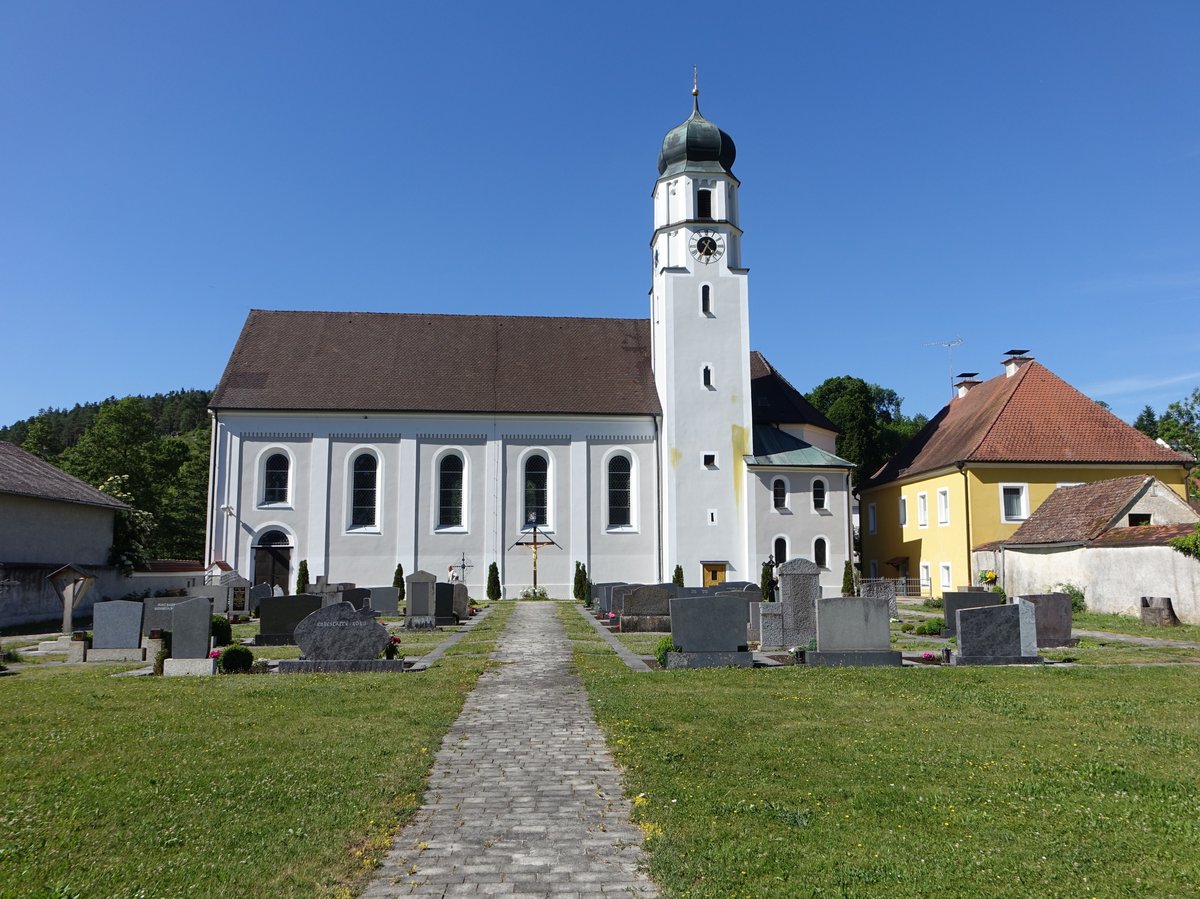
676	457
740	444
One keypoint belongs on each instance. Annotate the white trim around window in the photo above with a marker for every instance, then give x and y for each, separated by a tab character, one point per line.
947	579
605	497
925	575
522	461
922	510
1014	499
435	498
260	485
943	506
352	456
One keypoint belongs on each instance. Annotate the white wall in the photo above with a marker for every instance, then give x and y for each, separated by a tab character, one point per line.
800	524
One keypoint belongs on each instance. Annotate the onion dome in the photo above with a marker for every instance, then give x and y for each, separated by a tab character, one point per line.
697	145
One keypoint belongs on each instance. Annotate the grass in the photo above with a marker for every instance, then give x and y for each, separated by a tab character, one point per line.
1125	624
266	784
899	782
414	643
643	644
1091	651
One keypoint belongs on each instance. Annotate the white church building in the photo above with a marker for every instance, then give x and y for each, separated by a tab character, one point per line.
356	441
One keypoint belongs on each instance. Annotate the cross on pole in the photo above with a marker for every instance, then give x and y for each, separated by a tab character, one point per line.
534	545
462	568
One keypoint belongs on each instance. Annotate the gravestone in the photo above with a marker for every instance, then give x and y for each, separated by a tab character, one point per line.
386	600
694	591
257	594
443	605
647	609
1157	611
341	638
853	630
359	597
1052	614
731	586
191	639
278	617
616	603
952	602
117	632
157	611
887	590
462	602
997	635
278	591
710	631
754	628
799	590
599	591
770	634
419	611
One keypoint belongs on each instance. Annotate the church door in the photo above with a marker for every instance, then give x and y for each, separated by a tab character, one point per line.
273	560
714	573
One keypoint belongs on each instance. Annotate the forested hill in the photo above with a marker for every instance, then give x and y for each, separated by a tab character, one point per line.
149	451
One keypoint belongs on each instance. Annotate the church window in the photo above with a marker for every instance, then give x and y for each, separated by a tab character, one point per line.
619	492
818	494
275	479
780	550
536	478
704	203
450	492
820	553
779	493
365	479
706	300
708	382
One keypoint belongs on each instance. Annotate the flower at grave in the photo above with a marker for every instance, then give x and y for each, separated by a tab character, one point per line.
987	576
928	656
612	615
215	654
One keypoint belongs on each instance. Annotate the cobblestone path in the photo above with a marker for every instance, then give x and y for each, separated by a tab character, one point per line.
524	798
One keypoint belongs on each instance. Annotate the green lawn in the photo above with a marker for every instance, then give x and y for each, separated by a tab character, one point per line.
908	782
1091	651
235	785
1126	624
642	644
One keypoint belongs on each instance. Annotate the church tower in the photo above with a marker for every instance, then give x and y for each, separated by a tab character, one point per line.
700	324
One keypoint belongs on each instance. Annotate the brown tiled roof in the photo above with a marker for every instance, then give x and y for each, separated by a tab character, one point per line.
1032	417
173	566
1144	535
1078	514
24	474
397	362
775	401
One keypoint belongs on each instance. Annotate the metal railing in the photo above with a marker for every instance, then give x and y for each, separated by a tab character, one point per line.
905	586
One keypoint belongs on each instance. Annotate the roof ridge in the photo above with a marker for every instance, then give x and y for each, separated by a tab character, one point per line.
459	315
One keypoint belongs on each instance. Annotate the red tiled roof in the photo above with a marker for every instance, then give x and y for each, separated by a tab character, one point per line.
1144	535
1032	417
1078	514
395	362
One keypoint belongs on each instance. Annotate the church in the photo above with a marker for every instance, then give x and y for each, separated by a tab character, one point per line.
359	441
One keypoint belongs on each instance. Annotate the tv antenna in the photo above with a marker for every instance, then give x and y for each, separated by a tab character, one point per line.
949	345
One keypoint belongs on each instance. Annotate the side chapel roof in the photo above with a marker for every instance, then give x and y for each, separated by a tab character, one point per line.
24	474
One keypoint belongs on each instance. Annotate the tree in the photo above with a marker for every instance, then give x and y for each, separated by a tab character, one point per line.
493	582
1147	422
581	582
41	441
398	580
871	426
848	579
131	528
302	577
1188	545
677	576
766	583
1180	424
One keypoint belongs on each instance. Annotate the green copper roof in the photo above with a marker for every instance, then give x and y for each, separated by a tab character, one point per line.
775	447
697	145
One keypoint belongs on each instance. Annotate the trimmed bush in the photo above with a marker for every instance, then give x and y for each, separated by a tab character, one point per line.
931	626
493	584
398	580
848	579
222	631
664	646
677	577
302	577
236	659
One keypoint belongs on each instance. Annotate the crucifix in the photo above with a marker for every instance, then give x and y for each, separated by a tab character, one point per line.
462	568
533	543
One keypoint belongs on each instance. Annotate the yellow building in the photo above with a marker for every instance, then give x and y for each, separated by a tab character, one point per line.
984	463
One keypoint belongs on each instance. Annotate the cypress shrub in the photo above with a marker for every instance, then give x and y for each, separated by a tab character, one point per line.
302	577
398	580
677	577
493	583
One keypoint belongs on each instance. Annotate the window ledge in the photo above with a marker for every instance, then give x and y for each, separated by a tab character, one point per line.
452	529
781	510
621	529
276	507
373	531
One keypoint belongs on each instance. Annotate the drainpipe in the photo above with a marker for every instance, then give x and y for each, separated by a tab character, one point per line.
211	525
962	468
659	511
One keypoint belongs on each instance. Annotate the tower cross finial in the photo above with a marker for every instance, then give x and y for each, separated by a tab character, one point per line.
695	82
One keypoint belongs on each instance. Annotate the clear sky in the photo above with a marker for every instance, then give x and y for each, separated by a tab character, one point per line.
1020	174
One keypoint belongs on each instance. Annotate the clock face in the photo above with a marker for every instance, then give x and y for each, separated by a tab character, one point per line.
707	246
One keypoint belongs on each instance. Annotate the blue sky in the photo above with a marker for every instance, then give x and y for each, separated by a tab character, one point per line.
1017	174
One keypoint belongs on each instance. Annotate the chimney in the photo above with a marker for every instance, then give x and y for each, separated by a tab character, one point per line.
966	380
1014	361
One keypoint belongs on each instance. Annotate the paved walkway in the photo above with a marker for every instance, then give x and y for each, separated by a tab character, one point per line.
524	798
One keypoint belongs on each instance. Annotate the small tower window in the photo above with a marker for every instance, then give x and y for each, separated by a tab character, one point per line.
708	377
780	550
704	204
779	493
820	553
706	300
818	494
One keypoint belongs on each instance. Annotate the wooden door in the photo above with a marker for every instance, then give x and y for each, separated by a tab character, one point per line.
714	573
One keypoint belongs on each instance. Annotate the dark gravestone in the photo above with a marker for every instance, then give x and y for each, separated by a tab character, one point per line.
647	609
853	630
341	632
997	635
359	597
443	605
279	615
1052	614
386	600
731	586
1158	611
598	591
419	611
191	629
117	625
462	602
952	602
616	603
157	612
710	631
257	594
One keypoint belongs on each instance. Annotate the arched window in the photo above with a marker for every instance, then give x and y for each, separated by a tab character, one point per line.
619	505
779	493
780	550
275	479
366	477
820	553
704	203
705	300
536	470
450	492
818	494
